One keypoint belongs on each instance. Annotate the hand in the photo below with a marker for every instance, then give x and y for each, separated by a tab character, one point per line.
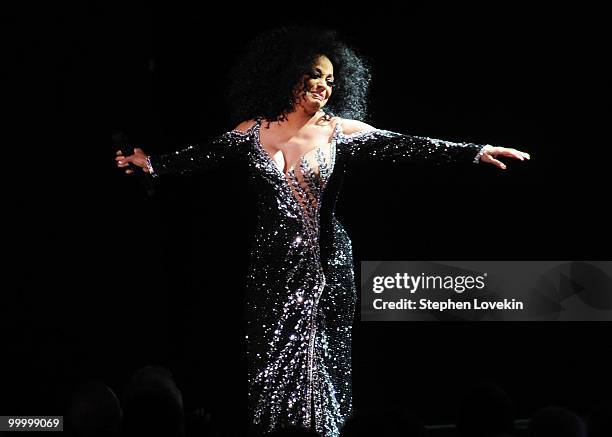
139	159
490	152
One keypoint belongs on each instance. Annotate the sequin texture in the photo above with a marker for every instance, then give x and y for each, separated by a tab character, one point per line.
301	292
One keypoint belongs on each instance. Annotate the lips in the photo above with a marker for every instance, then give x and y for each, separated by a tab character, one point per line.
318	95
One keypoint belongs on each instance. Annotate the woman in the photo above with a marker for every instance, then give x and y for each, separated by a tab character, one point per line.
301	290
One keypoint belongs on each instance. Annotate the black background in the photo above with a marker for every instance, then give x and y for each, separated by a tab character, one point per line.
107	280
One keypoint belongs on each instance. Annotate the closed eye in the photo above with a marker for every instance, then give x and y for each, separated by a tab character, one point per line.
316	74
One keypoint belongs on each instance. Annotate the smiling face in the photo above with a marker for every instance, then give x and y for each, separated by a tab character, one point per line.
317	85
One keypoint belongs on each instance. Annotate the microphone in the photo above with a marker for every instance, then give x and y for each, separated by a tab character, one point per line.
120	142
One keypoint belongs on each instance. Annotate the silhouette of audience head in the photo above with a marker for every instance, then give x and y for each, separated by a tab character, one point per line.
556	422
94	411
153	405
485	411
382	423
599	422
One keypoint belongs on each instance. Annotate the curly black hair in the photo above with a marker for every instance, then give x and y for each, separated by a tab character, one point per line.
266	74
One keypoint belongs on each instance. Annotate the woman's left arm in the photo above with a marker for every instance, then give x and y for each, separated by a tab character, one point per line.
363	142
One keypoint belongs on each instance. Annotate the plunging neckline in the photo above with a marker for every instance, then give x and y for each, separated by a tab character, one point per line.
284	174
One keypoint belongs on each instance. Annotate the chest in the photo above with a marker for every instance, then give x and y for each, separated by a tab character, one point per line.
291	151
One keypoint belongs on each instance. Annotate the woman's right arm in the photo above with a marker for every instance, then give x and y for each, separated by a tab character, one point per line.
198	157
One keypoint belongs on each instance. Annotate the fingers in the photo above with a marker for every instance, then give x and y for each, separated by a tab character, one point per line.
511	153
516	154
504	151
123	161
120	153
495	162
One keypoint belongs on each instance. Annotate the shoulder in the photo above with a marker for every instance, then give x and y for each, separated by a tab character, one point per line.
353	126
245	125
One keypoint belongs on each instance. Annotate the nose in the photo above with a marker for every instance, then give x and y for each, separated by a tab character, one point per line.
321	84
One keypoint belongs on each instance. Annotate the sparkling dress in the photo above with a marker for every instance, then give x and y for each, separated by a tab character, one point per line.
301	293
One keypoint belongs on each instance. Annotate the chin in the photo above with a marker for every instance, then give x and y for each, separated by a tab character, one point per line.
313	106
319	103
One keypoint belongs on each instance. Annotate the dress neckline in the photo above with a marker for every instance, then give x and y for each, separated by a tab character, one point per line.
270	160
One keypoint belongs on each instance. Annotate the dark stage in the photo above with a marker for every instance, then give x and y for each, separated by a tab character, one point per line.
105	280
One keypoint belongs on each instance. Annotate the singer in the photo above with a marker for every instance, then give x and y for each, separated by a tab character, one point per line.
298	95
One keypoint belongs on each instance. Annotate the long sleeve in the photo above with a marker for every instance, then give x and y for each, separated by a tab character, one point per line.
230	146
391	146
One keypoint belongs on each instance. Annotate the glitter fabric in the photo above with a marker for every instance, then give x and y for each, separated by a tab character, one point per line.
301	292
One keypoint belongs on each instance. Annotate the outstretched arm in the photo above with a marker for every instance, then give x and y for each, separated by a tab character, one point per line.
198	157
361	141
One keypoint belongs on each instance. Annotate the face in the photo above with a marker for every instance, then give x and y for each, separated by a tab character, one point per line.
318	85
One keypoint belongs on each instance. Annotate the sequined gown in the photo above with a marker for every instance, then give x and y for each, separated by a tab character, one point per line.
301	293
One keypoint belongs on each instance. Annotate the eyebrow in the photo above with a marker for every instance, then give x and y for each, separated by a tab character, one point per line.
321	71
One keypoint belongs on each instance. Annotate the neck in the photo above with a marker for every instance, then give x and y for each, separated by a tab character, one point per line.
299	118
